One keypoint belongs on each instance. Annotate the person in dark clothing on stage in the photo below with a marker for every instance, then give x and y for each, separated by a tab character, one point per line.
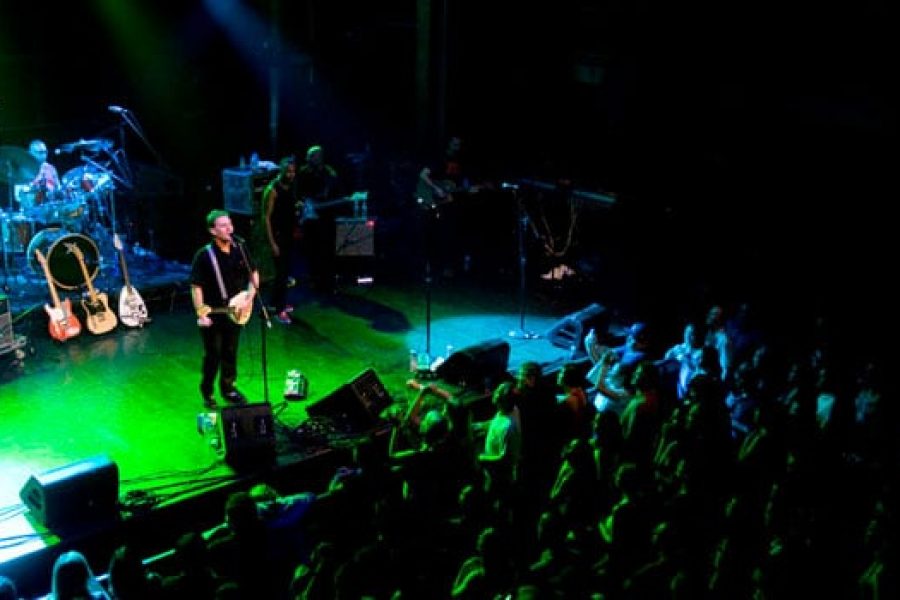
317	185
282	229
224	281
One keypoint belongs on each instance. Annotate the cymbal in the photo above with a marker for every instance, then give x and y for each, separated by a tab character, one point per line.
83	145
17	165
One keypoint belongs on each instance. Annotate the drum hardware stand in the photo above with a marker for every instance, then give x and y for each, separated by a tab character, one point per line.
522	218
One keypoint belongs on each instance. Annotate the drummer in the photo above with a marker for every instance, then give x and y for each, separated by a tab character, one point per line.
47	178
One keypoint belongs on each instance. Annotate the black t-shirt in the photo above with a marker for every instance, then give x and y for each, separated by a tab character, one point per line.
284	213
234	269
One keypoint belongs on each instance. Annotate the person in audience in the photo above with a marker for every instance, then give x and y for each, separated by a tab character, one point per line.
612	374
239	549
73	579
718	337
503	442
575	414
8	589
687	355
129	579
192	575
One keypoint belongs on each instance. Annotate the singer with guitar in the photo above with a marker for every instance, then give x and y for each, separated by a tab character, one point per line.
224	281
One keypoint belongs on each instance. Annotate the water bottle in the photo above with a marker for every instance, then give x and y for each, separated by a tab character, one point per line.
254	161
243	163
413	360
449	351
206	427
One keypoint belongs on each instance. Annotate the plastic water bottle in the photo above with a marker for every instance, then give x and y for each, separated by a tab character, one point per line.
254	161
206	427
413	360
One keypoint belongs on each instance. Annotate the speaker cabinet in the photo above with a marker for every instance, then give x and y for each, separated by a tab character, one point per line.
569	332
355	406
248	434
79	494
354	237
470	367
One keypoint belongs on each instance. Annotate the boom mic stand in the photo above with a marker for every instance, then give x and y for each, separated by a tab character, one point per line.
522	218
265	321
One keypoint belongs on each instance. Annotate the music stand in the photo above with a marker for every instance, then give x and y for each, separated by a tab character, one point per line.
522	218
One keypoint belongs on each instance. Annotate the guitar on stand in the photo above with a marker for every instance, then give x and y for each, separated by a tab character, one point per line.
132	310
63	324
100	319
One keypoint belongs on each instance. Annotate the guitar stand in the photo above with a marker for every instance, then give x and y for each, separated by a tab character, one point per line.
522	217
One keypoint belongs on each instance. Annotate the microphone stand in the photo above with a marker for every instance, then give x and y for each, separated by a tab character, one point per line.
265	322
522	218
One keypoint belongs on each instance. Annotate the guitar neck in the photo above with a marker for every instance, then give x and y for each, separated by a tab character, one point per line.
53	295
124	270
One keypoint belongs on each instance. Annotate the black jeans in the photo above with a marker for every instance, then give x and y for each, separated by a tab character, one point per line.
220	348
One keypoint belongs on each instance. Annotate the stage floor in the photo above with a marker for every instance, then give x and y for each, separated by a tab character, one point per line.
132	394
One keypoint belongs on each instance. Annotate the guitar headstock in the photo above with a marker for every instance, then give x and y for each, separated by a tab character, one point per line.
73	248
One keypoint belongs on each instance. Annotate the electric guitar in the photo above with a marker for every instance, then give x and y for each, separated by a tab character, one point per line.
132	310
239	309
429	198
63	324
100	319
308	207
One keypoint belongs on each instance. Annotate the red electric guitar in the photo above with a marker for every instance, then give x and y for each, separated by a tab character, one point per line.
63	324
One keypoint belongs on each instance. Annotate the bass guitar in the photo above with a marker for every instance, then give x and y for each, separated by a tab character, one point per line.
63	324
132	310
239	308
99	318
307	209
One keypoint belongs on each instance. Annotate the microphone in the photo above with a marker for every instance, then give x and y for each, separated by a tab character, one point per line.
116	109
237	239
509	186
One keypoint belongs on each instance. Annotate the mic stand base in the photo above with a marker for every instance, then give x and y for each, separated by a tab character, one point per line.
521	334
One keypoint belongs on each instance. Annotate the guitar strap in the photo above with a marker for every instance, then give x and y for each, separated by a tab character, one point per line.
215	266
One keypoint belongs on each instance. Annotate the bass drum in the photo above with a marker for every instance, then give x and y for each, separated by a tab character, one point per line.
54	243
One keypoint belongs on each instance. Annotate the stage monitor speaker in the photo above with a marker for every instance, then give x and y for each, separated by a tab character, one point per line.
80	494
470	367
248	434
355	406
569	332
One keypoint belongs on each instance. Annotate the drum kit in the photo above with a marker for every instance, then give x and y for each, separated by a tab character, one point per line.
48	218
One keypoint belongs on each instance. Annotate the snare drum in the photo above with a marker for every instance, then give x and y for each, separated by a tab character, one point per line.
17	231
63	265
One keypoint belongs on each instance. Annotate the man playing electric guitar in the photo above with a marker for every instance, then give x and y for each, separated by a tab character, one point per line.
317	183
224	281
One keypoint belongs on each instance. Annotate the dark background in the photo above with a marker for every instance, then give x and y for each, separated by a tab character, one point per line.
748	144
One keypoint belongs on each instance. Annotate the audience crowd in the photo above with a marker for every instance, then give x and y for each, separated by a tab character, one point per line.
740	462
